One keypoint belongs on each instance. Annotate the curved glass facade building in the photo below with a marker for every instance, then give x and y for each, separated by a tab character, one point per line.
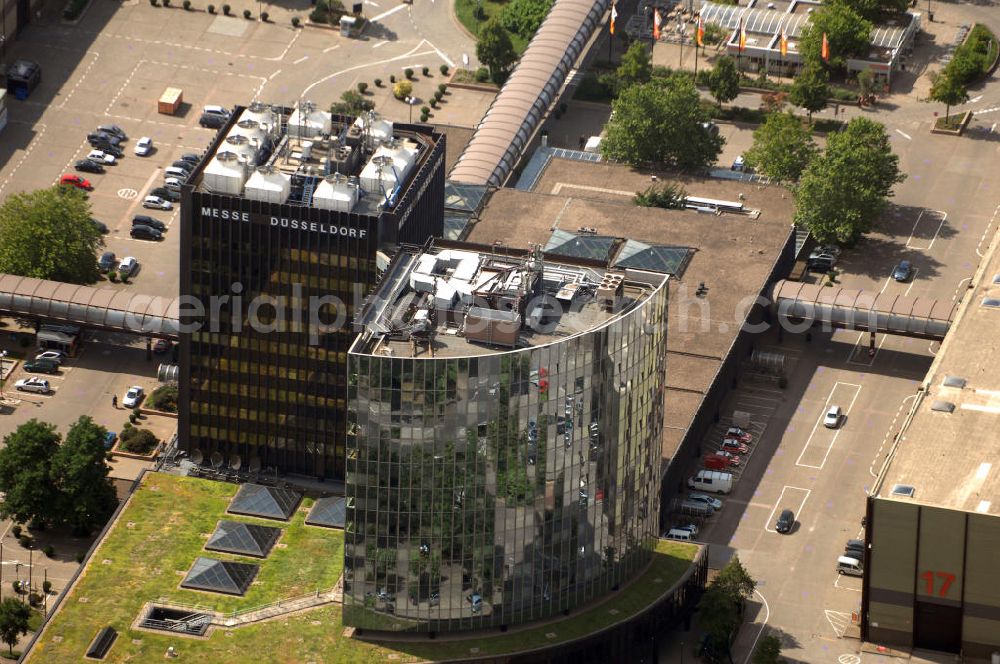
504	429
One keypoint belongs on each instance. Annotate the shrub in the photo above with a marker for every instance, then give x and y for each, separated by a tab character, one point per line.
34	599
211	9
437	95
296	21
443	69
426	71
166	3
187	5
442	88
362	87
154	3
264	16
392	78
247	14
24	541
425	110
46	586
317	15
424	117
408	73
138	441
378	82
434	103
132	418
15	530
524	17
164	398
49	550
16	585
482	75
226	9
352	103
402	90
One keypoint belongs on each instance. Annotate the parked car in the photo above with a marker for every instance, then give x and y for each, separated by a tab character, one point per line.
104	136
54	355
109	439
99	225
41	366
832	418
146	220
88	166
173	184
143	146
101	157
161	346
733	459
132	397
107	146
128	266
212	121
738	164
106	261
191	157
157	203
738	434
114	130
183	165
903	271
171	195
820	262
785	521
213	109
54	351
145	233
33	384
76	181
691	528
734	446
714	503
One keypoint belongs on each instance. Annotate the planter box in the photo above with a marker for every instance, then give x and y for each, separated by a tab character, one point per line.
958	131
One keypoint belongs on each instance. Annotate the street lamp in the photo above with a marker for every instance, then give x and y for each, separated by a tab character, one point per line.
3	356
410	101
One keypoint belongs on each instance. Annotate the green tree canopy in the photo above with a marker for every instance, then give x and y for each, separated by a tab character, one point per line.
661	123
724	82
14	616
735	581
810	88
25	472
352	103
847	33
524	17
47	234
495	50
782	147
635	66
81	477
719	616
874	10
845	190
768	650
948	90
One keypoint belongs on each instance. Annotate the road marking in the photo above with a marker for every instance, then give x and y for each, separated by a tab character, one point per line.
904	134
838	621
767	616
985	232
944	216
559	186
836	584
993	128
833	439
332	48
858	346
389	12
127	194
41	126
889	435
271	77
798	512
301	60
975	99
79	81
326	78
380	44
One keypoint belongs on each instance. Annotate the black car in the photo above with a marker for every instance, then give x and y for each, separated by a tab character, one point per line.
191	157
146	220
166	194
212	121
106	261
100	226
106	146
114	130
183	165
41	366
145	233
88	166
104	136
785	521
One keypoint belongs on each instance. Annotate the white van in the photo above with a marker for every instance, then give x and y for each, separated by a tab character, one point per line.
216	110
850	566
679	534
712	481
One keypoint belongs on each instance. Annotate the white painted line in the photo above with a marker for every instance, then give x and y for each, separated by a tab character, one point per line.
913	278
993	128
904	135
975	99
767	616
332	48
441	54
833	439
380	44
838	621
836	584
301	60
979	408
886	440
389	12
984	506
944	216
858	345
778	504
326	78
271	77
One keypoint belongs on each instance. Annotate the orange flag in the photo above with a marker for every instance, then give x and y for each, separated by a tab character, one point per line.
656	24
743	36
614	15
783	43
700	34
824	51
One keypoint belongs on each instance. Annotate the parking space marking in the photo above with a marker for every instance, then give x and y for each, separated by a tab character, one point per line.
80	80
191	47
778	502
40	127
943	215
833	439
858	350
836	584
982	239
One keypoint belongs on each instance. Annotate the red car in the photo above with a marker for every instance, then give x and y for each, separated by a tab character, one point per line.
76	181
734	446
739	434
732	458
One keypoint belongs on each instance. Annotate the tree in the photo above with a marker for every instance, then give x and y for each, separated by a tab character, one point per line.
635	66
810	89
495	50
768	650
47	234
669	195
735	581
25	472
847	33
14	616
948	90
873	10
842	192
351	103
524	17
719	617
80	475
660	122
866	86
724	82
782	148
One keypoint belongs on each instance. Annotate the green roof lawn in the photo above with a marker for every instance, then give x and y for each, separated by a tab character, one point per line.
161	532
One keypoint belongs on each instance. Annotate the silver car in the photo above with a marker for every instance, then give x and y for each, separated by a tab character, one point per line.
33	384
